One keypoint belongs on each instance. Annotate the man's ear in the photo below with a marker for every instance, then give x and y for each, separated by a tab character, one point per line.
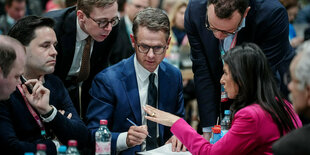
80	15
246	12
132	40
168	42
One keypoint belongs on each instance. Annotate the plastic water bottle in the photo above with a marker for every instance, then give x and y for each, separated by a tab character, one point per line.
41	148
225	123
224	96
216	134
72	150
103	139
62	150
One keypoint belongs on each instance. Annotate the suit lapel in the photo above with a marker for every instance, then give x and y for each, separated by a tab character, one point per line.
68	42
130	84
163	88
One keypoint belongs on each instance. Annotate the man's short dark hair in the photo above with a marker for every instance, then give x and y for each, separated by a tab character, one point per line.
9	2
70	3
153	19
7	54
24	29
87	5
225	8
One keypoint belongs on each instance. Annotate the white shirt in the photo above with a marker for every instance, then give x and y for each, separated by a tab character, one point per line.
78	53
142	76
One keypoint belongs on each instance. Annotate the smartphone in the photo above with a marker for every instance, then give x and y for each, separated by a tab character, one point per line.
29	86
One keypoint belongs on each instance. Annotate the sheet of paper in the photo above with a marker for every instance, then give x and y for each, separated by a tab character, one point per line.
164	150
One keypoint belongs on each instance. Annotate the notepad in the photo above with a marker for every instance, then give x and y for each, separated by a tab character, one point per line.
164	150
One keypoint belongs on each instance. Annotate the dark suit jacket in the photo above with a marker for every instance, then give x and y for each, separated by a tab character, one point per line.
297	142
266	25
4	26
115	97
122	48
65	29
19	131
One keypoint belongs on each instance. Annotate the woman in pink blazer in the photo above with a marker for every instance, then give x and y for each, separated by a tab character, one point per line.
259	115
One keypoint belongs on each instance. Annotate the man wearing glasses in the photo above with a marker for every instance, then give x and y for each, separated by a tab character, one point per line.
215	26
84	44
121	91
123	48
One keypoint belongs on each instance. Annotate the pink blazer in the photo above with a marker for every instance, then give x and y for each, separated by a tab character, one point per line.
252	132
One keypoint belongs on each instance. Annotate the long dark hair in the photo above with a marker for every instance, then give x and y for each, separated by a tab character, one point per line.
250	70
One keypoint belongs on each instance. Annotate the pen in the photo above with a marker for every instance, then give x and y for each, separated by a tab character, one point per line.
131	122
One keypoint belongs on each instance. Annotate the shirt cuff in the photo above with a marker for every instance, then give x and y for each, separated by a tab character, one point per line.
207	129
51	117
121	142
57	144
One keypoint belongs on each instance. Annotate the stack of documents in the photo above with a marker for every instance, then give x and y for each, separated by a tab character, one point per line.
164	150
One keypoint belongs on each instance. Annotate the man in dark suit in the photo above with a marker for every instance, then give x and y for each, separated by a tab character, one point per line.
297	142
14	10
75	65
44	112
120	91
215	26
123	48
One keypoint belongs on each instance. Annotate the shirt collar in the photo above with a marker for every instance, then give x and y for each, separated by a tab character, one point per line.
10	20
80	34
143	74
239	28
242	25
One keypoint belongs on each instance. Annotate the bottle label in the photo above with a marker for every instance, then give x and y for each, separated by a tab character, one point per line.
224	96
103	147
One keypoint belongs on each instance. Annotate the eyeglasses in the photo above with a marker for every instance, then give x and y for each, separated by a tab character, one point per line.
157	50
222	31
104	23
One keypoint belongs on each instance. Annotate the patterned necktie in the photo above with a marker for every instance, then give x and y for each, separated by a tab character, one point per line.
151	143
85	65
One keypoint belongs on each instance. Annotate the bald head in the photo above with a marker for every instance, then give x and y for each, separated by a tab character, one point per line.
12	62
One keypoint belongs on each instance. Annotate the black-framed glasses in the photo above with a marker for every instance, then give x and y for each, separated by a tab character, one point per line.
104	23
222	31
157	50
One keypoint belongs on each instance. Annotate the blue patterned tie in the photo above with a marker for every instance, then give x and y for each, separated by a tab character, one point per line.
151	143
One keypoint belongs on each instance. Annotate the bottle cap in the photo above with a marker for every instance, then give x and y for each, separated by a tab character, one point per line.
41	147
28	153
217	126
62	148
227	112
216	130
72	143
103	122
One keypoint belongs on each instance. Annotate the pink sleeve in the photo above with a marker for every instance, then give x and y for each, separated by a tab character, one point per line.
240	139
190	138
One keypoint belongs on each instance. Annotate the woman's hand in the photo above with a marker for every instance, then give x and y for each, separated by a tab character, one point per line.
159	116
